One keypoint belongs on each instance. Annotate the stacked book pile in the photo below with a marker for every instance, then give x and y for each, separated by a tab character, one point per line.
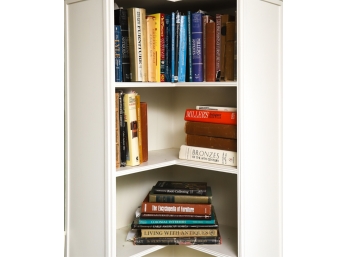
211	135
176	213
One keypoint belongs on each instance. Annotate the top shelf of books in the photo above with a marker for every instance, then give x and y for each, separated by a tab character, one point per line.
169	84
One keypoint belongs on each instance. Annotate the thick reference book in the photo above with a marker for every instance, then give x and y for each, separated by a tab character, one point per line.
132	129
211	129
151	48
197	47
136	225
182	49
197	232
175	216
201	154
118	54
144	133
221	117
177	208
180	188
136	238
176	198
117	125
121	18
123	131
216	108
210	51
137	44
228	144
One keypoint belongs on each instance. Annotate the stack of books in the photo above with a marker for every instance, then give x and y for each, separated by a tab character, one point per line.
211	135
190	46
176	213
131	129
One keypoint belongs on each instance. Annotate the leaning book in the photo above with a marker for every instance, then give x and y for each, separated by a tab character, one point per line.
201	154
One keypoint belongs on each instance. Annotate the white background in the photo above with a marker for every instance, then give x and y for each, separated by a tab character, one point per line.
315	128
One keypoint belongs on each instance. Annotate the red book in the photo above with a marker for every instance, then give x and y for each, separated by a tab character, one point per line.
221	117
210	52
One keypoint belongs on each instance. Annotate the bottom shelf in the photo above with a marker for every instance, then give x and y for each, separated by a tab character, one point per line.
228	248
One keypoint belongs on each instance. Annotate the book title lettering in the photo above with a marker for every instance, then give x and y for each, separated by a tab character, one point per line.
172	208
205	155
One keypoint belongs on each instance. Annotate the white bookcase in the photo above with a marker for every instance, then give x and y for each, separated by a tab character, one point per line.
101	201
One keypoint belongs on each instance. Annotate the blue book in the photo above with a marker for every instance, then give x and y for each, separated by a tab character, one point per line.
189	47
197	47
118	54
176	44
167	49
182	49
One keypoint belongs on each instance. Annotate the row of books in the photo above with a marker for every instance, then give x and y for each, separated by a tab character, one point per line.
211	135
176	213
174	47
131	129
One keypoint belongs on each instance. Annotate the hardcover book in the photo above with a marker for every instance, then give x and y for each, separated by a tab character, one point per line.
121	18
210	52
140	139
136	225
118	54
227	144
180	187
159	46
221	117
197	47
201	154
117	125
175	216
201	232
137	44
182	49
131	125
224	19
138	240
176	198
176	208
216	108
189	73
230	51
177	40
144	133
167	48
217	46
151	48
205	19
123	131
211	129
173	46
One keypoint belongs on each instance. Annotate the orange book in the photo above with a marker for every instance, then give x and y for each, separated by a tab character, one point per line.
159	45
144	133
221	117
151	48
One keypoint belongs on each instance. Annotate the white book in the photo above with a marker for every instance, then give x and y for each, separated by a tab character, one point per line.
216	108
209	155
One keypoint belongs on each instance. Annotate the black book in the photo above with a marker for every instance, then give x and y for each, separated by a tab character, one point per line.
121	18
177	40
123	130
180	188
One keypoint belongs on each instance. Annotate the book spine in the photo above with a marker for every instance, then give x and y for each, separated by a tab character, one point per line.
182	49
197	47
230	52
220	117
208	155
121	18
235	48
167	48
205	19
216	108
177	40
123	135
162	45
132	129
177	241
178	191
144	131
211	129
176	221
117	125
210	52
177	208
172	45
172	226
174	216
217	46
118	54
151	48
140	145
224	19
144	44
174	198
178	232
189	47
226	144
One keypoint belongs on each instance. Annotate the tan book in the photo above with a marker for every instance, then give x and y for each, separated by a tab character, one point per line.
211	129
117	126
179	232
132	129
151	48
226	144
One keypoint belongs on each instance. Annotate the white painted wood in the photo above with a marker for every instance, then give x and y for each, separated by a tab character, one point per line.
276	2
259	109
